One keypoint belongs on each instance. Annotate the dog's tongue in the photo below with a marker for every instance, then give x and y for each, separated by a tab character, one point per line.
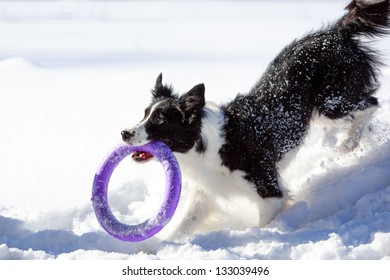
141	156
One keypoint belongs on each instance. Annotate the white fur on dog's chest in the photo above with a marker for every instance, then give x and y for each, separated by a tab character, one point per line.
207	174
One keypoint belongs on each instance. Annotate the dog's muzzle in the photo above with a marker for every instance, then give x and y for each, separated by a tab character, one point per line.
137	156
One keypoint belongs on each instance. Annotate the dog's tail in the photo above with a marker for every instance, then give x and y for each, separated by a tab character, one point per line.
369	17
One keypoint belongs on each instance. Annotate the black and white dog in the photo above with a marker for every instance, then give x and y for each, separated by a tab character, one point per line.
233	150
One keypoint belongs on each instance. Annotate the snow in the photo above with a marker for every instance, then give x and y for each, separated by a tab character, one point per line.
73	74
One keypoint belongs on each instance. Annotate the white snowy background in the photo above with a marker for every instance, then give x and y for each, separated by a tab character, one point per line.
73	74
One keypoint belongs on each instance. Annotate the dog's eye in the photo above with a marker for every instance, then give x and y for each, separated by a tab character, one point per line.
160	119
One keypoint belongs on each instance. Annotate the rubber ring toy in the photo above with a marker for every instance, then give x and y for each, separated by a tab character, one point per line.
147	229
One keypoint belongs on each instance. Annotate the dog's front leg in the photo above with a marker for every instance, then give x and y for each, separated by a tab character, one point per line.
194	216
271	197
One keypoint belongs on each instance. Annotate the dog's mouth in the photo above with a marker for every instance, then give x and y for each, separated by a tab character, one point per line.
141	156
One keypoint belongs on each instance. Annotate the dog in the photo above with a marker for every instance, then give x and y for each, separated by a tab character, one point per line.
233	150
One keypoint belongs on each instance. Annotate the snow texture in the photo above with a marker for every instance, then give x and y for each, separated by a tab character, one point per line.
74	74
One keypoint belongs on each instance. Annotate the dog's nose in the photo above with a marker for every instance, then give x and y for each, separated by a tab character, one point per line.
126	136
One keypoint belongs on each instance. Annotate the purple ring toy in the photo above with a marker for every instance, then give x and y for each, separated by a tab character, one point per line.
150	227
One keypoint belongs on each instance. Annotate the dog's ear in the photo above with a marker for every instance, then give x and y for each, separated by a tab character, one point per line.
193	102
160	90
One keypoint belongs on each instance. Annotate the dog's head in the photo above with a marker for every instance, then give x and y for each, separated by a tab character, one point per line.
174	120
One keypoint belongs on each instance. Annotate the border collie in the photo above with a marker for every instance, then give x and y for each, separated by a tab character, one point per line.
233	150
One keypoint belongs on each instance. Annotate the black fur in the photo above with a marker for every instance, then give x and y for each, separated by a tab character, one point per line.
370	19
329	71
161	91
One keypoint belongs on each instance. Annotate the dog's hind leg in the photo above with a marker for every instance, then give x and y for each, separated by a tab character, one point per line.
349	104
268	208
359	122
